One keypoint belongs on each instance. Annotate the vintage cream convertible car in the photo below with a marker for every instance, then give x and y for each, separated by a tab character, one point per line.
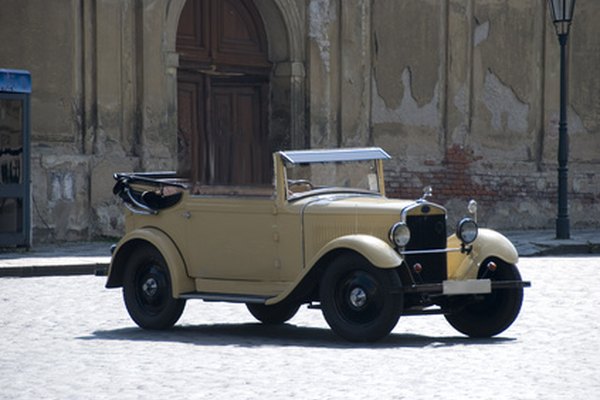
325	235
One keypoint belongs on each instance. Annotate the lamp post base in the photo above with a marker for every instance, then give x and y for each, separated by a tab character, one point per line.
562	228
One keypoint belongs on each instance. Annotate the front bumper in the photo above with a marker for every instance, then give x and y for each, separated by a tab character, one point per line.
465	287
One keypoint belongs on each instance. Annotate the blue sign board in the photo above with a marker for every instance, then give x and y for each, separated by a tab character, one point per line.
15	81
15	175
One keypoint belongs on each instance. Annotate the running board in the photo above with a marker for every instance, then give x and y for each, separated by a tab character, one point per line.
226	297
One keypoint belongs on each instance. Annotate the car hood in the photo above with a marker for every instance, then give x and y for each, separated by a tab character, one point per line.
354	204
326	218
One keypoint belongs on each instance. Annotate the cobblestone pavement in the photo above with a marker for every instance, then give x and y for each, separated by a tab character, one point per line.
69	338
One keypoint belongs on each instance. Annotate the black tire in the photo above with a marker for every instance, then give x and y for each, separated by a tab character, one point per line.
147	290
496	311
274	314
360	302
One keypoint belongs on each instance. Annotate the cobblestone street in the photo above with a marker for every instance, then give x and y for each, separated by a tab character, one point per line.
70	338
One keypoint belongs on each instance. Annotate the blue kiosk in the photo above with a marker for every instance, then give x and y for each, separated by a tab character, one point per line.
15	192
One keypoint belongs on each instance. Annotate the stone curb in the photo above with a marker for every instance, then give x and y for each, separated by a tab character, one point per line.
581	244
575	249
32	271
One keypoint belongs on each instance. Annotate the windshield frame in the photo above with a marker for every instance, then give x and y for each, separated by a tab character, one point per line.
311	158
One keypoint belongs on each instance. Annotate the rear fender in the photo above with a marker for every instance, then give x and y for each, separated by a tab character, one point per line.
180	281
488	244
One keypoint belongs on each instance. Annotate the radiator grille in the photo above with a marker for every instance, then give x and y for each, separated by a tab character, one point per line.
427	232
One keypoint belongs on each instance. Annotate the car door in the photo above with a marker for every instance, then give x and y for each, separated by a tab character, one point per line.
231	238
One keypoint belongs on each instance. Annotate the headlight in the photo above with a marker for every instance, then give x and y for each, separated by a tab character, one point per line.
467	230
400	234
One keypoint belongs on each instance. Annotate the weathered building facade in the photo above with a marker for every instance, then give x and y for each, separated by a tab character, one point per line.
462	93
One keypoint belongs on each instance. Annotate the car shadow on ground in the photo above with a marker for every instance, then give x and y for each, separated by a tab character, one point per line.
258	335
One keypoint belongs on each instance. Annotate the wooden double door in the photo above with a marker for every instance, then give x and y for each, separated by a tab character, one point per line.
223	94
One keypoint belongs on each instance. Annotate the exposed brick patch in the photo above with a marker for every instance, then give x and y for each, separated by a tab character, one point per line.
450	178
513	196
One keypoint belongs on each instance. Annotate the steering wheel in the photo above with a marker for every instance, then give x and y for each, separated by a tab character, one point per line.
299	182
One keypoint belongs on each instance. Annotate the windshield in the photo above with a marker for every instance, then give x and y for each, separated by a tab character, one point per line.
331	177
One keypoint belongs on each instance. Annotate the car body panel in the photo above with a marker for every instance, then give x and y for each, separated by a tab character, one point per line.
488	244
180	281
354	221
378	252
231	239
266	289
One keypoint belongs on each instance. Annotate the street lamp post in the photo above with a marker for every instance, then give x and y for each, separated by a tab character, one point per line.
562	15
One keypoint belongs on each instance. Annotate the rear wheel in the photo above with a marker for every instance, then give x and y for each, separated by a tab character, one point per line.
360	302
496	311
147	290
274	314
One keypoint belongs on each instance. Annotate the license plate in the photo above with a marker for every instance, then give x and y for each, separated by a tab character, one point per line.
469	286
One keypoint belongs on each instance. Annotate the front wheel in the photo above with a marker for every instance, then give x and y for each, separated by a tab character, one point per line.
360	302
495	312
147	290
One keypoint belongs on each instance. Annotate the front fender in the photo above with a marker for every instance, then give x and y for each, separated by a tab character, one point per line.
489	243
180	281
378	252
375	250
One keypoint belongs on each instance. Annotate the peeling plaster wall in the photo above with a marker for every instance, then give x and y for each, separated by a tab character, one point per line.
506	70
398	26
92	113
322	14
584	112
323	37
462	93
465	97
41	38
407	107
408	112
508	112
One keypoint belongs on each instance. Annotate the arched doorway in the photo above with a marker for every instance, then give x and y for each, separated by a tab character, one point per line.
223	93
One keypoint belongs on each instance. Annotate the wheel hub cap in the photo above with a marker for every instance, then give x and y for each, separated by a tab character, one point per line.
150	287
358	297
